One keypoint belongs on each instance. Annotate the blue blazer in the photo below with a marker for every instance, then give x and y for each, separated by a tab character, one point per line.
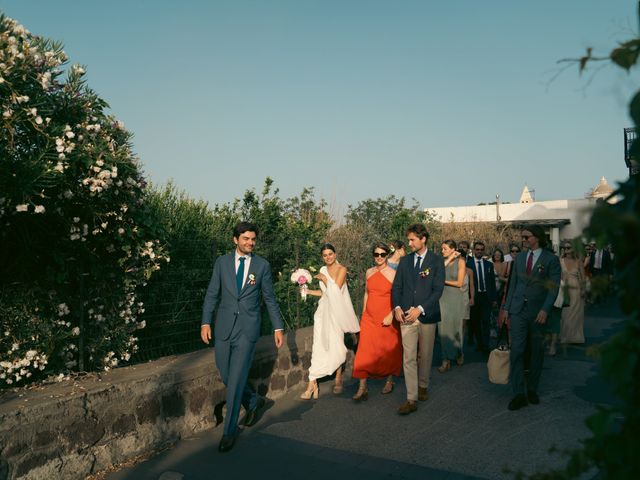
241	308
410	289
489	277
536	290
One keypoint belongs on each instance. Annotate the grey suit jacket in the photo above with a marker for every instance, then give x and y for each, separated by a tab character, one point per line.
537	290
242	309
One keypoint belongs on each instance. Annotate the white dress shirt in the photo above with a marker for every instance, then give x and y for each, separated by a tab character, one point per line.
481	275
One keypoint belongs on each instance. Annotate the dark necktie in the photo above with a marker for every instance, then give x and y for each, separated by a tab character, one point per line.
481	286
240	274
530	262
417	265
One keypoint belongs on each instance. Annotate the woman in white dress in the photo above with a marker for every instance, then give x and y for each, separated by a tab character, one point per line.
333	318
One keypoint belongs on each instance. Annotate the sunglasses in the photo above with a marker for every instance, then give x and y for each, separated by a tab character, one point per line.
515	251
565	248
382	254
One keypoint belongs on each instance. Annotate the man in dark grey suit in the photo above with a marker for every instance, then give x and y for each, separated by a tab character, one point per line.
534	284
485	298
239	282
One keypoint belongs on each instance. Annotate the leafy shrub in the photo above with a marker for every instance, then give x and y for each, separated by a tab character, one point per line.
76	242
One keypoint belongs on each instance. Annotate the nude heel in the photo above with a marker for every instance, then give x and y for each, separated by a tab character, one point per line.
310	393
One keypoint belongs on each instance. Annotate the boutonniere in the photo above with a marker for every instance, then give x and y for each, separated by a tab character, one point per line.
540	268
425	273
251	279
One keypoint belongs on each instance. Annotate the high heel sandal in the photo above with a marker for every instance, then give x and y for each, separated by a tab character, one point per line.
310	393
444	367
388	387
361	395
460	360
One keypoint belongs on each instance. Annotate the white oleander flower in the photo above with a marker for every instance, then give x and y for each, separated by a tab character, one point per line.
39	209
45	80
22	207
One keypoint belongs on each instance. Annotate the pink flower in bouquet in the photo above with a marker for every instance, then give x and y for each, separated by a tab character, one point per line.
302	277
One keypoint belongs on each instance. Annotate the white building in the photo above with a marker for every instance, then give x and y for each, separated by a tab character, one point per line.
562	219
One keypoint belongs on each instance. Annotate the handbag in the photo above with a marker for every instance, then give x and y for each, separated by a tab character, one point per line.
562	300
498	365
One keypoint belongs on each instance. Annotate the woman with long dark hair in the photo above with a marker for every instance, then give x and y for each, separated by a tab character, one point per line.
333	318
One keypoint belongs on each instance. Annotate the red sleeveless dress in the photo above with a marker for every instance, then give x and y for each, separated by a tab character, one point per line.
380	348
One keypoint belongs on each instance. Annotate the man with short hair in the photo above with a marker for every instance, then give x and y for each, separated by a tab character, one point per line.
415	293
464	246
534	284
485	297
239	282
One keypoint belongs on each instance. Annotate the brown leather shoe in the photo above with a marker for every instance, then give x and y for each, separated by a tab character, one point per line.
407	408
422	394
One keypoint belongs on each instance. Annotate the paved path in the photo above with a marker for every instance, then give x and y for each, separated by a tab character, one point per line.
463	431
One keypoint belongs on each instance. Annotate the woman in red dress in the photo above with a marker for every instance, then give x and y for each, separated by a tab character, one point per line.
379	352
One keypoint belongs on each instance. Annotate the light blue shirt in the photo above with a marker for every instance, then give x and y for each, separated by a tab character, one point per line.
536	256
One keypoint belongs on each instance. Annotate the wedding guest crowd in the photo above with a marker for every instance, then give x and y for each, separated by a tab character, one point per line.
408	299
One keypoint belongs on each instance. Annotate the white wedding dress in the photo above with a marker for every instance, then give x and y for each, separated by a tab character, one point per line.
333	318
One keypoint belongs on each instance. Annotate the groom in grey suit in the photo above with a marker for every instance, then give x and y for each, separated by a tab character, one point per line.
534	284
239	282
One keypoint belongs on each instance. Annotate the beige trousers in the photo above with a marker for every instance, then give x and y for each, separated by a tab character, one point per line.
417	338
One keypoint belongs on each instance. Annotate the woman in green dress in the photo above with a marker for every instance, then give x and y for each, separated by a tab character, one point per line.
451	306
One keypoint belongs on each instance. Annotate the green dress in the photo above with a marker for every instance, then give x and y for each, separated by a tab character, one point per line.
451	314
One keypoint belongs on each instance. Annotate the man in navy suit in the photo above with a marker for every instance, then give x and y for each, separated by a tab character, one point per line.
415	294
534	284
239	282
484	299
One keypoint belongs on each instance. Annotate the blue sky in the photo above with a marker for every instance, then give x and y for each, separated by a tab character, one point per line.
449	102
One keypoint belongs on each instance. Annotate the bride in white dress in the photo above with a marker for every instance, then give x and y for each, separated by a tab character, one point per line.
333	318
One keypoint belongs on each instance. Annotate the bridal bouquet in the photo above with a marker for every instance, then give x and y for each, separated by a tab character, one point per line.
302	277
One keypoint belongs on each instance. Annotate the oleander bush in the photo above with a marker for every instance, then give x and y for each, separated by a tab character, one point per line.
76	243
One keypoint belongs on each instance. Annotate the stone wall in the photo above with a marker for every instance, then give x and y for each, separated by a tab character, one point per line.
81	426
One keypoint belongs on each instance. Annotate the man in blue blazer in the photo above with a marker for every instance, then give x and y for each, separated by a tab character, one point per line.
534	284
239	282
415	294
484	277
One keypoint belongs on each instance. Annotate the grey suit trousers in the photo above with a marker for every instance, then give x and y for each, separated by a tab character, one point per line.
524	329
233	358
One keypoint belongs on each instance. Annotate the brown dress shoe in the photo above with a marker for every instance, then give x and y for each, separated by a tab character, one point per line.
422	394
407	408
